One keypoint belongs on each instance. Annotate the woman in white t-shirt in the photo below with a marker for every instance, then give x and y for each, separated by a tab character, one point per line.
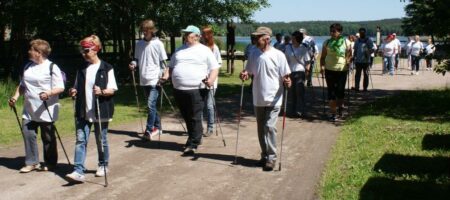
41	84
429	49
299	60
415	51
389	49
208	40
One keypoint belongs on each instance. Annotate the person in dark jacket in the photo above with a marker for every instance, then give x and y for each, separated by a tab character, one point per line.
94	89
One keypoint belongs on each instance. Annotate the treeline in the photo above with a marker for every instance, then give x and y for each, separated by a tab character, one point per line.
321	28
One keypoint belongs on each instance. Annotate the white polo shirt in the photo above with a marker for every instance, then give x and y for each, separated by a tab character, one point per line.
37	79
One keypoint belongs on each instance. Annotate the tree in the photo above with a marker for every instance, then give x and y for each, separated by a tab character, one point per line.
430	17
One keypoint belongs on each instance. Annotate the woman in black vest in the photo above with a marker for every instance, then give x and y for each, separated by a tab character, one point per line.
94	88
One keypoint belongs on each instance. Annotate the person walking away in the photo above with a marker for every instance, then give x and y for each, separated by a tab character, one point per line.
41	83
193	68
398	52
151	57
363	49
271	71
297	55
313	53
94	87
389	47
336	55
430	49
415	52
208	39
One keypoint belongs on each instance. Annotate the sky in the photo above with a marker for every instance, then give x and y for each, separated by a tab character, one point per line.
336	10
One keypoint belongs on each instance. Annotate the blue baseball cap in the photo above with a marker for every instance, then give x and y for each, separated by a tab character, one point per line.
191	29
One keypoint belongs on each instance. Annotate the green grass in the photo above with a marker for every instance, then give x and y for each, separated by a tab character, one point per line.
395	148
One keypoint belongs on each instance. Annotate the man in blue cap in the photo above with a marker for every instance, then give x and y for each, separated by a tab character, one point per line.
193	69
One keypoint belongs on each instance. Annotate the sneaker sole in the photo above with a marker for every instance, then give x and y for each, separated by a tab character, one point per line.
71	180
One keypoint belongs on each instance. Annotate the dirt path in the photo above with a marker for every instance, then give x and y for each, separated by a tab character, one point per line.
152	170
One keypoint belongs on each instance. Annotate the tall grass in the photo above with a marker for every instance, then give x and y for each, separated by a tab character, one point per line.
7	89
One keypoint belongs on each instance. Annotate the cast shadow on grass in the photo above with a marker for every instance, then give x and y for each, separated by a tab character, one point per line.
433	174
430	105
436	142
385	188
424	167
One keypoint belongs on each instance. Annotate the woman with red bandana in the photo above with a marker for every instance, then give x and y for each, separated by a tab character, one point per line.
94	83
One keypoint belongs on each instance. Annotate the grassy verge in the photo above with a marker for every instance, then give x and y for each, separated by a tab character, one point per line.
394	148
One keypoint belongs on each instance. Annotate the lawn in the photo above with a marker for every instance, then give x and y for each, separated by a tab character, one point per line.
395	148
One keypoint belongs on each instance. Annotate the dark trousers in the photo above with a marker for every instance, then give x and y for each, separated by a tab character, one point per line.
48	137
362	67
297	92
336	81
415	60
191	103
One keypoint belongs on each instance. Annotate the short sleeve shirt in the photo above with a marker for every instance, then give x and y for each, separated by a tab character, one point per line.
297	57
268	69
149	55
37	79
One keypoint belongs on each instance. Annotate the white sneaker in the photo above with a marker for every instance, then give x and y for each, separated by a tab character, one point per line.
412	73
30	168
76	177
101	171
154	133
417	73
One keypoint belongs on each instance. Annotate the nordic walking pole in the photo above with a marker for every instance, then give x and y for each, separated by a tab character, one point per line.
56	130
239	122
216	114
284	125
370	76
136	94
173	109
100	138
323	94
17	117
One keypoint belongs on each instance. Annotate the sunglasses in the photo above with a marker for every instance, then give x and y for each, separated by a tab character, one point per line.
85	50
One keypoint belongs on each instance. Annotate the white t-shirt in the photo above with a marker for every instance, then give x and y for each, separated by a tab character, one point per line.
389	48
430	49
37	79
190	65
91	73
268	68
297	57
399	44
416	47
218	57
150	55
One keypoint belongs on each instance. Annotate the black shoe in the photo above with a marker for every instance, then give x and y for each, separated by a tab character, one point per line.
309	84
189	151
270	164
261	162
332	118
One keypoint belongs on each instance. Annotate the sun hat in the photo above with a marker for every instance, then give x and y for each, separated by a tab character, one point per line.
191	29
262	30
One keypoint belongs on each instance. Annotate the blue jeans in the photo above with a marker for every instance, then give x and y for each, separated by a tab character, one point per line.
153	119
388	63
210	108
83	131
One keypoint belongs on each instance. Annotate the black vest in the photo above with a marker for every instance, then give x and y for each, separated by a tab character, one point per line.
106	104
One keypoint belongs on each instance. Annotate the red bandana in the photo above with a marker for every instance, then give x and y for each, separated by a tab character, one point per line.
89	45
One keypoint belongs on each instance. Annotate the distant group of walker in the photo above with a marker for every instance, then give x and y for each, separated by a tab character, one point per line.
278	72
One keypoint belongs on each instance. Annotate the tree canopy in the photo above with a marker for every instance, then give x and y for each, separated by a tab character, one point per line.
64	22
